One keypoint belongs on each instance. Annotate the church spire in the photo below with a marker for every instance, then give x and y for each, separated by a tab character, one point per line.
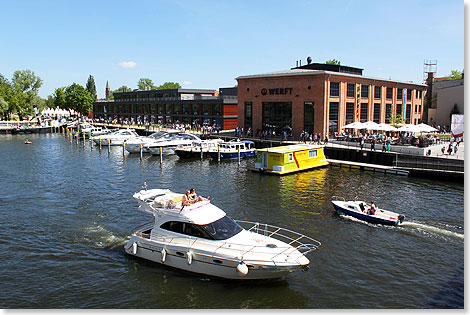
108	90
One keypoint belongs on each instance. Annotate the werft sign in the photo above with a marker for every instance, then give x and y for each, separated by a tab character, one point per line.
276	91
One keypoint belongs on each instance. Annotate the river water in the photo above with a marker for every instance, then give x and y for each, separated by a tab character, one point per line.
66	211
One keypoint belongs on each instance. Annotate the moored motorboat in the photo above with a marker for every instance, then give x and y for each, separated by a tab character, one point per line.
170	142
117	137
186	151
142	143
365	211
233	150
201	238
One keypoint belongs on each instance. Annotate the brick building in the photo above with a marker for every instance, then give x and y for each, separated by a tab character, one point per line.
321	98
188	106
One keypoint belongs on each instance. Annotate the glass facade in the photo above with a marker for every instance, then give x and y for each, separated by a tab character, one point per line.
309	117
377	112
364	111
349	113
334	115
248	115
277	117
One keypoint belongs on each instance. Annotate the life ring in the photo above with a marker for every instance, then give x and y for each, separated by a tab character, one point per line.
163	255
190	258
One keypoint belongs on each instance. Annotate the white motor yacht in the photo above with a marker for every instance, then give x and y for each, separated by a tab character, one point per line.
117	137
171	141
134	145
201	238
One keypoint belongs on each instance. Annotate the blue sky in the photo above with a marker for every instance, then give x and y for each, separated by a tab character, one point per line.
207	44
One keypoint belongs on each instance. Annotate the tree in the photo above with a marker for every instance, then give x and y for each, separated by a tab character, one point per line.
169	85
59	98
91	87
25	86
5	96
145	84
332	62
78	99
393	118
455	75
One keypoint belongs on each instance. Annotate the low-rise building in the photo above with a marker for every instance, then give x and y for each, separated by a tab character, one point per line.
187	106
321	98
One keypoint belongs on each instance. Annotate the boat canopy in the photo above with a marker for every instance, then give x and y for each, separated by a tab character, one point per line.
165	202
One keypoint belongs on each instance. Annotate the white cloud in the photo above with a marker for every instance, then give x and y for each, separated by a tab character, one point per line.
187	82
128	64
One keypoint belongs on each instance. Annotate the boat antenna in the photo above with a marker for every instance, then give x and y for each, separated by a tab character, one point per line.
145	186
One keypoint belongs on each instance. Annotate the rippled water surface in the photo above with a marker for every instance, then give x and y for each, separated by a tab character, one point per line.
66	211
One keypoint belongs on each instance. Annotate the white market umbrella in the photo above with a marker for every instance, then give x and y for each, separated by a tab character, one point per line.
370	125
409	128
354	125
386	127
426	128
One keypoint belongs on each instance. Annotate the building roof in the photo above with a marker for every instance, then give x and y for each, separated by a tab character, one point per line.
301	72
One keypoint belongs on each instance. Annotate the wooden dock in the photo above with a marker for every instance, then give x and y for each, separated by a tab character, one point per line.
369	167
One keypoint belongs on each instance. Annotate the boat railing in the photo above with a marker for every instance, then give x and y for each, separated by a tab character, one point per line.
304	244
143	227
337	198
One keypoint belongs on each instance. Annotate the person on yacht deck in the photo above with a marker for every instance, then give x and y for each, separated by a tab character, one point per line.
195	198
187	201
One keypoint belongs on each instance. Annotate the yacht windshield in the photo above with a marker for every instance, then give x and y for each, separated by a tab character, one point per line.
222	229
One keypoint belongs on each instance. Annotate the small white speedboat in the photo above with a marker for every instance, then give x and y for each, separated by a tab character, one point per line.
117	137
362	210
201	238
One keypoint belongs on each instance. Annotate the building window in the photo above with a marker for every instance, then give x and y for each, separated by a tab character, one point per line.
291	157
364	111
350	90
160	109
185	109
333	121
377	92
312	153
277	117
408	94
389	93
399	94
399	109
248	115
388	113
309	117
334	89
349	113
195	109
365	91
206	109
408	113
217	109
377	112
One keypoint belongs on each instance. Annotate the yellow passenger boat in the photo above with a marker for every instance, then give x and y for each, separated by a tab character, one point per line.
290	158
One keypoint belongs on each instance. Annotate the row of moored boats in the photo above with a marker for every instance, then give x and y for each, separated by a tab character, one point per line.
185	145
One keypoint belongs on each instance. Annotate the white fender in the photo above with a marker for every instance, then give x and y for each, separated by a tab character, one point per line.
134	248
190	257
242	268
163	255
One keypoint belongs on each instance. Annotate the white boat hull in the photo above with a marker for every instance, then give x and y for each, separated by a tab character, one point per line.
202	262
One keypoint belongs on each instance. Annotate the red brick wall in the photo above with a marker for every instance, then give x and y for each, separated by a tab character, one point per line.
250	90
